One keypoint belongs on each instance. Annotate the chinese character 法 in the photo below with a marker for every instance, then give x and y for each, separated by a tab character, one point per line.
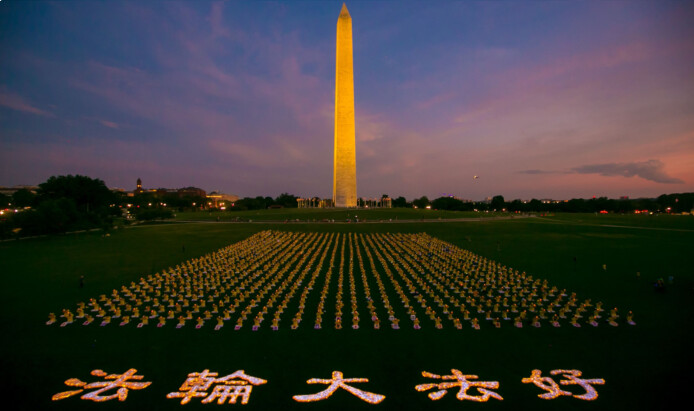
462	381
120	381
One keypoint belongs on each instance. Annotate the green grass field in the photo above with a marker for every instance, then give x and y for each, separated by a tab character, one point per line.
340	216
645	366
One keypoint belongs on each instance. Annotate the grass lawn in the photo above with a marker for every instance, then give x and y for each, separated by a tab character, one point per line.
340	216
645	366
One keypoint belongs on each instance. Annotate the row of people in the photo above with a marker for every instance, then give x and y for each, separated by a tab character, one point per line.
272	272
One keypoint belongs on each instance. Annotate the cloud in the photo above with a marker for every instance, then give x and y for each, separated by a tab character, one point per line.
216	20
536	172
651	170
648	170
593	60
16	102
371	127
436	100
277	153
109	124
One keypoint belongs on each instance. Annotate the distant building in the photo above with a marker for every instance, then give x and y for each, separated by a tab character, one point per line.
315	202
220	200
383	202
180	192
191	192
164	191
8	191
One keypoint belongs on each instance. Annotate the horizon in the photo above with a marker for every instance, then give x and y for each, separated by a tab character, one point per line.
487	198
540	100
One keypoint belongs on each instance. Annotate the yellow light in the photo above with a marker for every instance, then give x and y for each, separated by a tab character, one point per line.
230	387
464	384
338	382
572	378
264	274
120	382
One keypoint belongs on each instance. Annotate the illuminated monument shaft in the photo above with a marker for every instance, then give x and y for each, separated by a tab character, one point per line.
345	171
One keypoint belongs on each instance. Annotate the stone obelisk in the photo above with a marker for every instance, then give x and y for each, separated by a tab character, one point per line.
345	171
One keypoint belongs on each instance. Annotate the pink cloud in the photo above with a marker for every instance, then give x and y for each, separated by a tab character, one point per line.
245	105
609	57
109	124
71	157
162	99
179	99
16	102
216	19
437	99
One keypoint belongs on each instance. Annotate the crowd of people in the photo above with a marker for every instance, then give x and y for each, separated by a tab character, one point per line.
363	280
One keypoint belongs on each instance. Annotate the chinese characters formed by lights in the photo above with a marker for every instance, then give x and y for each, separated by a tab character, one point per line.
462	381
553	390
234	385
338	382
239	385
120	381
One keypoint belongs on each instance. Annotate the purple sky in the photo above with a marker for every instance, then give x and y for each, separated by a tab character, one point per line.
539	99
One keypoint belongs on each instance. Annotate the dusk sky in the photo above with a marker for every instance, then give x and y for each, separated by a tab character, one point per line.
540	99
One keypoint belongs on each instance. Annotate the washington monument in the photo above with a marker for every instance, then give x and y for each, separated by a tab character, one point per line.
345	171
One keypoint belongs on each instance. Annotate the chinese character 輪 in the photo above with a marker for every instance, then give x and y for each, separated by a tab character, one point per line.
234	385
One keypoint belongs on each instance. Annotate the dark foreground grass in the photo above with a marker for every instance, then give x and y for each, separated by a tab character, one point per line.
645	367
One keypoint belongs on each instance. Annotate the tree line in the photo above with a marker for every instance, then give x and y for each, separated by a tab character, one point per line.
284	200
63	203
666	203
70	203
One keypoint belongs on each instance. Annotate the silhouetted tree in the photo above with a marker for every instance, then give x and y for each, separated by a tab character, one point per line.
535	205
89	194
497	203
5	200
450	203
401	202
63	203
286	200
23	198
421	202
